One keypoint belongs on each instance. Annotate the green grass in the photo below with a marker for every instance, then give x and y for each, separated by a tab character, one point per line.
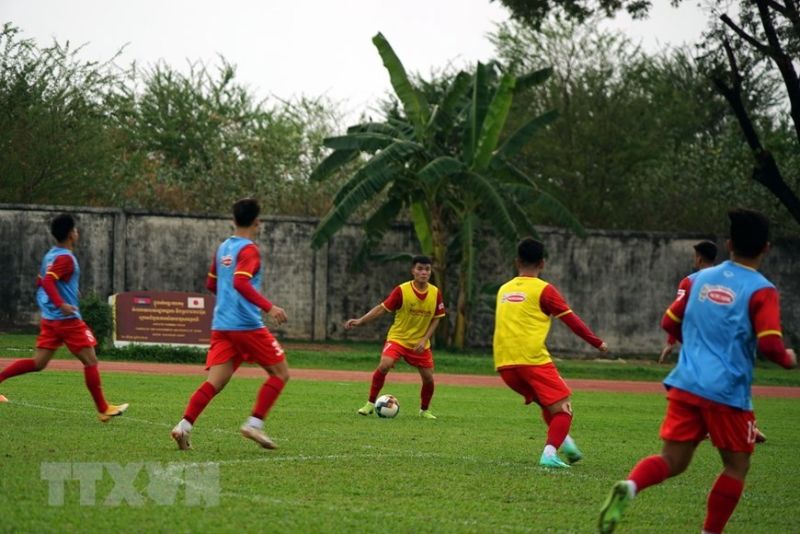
364	357
473	470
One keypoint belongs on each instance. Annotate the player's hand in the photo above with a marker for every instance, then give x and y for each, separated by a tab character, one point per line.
792	358
665	352
420	347
351	323
68	309
278	315
603	347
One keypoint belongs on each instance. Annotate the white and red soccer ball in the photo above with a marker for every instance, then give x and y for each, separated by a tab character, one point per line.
387	406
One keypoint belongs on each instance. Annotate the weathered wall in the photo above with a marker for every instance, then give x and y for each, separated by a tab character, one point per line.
618	282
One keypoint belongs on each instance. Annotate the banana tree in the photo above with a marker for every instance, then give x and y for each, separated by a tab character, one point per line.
398	149
448	190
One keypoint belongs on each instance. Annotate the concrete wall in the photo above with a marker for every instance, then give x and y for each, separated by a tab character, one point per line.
618	282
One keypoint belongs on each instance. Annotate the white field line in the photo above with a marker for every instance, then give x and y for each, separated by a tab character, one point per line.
265	499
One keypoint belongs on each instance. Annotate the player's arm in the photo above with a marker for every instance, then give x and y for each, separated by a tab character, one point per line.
247	265
552	303
765	316
371	315
392	303
420	346
683	291
211	278
673	317
61	269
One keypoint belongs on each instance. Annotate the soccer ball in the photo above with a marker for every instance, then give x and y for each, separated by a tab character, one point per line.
387	406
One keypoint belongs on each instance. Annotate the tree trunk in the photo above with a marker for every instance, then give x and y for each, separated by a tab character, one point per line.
462	308
439	235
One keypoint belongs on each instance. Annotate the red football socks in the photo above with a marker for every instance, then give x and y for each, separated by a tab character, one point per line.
267	396
722	502
558	428
425	394
199	401
19	367
649	472
547	416
378	379
92	378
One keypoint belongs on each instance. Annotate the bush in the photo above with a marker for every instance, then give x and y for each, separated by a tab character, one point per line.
96	312
155	353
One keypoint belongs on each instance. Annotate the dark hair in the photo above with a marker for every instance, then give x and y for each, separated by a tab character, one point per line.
245	211
530	251
749	232
61	226
706	249
424	260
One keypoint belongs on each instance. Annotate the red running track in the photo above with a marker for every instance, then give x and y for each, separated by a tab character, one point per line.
577	384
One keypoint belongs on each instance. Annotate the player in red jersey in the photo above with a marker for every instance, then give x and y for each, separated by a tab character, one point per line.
524	309
418	307
727	313
57	295
705	252
238	333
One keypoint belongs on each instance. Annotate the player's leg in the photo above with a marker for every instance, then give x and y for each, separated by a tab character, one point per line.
675	457
727	490
46	344
218	377
426	392
267	395
80	341
378	379
28	365
91	376
684	426
733	433
559	420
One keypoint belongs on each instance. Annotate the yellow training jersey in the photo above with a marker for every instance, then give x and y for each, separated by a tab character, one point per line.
414	316
520	327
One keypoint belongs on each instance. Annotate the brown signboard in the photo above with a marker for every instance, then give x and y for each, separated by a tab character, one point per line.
162	317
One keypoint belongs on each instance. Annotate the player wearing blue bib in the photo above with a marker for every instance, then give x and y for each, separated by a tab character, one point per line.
57	294
726	313
238	333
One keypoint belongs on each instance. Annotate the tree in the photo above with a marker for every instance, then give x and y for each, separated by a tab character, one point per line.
197	141
56	144
766	30
443	163
639	133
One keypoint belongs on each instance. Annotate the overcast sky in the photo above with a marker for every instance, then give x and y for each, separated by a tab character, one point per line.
293	47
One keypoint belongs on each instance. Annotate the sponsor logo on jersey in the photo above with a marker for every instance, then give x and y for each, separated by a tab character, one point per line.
513	297
227	260
722	295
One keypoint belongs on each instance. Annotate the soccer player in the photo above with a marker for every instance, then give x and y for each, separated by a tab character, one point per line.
705	252
523	314
237	330
418	307
727	312
57	295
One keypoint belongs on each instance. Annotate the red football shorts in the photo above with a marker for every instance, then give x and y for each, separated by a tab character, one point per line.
74	333
396	351
541	384
254	346
691	418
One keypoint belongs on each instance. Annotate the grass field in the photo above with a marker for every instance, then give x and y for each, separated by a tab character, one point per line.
473	470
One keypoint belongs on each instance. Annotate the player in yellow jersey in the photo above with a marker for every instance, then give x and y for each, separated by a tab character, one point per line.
418	307
525	307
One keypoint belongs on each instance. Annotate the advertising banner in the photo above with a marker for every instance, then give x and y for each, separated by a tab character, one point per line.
162	318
